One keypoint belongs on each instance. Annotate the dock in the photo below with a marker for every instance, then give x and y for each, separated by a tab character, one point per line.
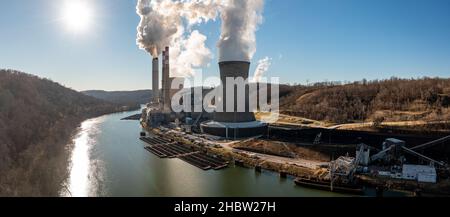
135	117
204	161
164	148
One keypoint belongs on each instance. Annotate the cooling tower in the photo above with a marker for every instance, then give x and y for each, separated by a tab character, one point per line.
234	124
234	70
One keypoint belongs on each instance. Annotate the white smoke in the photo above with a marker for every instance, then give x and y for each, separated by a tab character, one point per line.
155	31
189	53
163	24
263	66
240	20
169	22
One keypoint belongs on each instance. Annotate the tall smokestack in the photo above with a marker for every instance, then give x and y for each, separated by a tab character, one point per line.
166	79
155	80
163	82
234	69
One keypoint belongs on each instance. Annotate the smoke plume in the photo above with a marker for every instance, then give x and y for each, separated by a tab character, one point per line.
170	22
163	24
240	20
262	68
155	30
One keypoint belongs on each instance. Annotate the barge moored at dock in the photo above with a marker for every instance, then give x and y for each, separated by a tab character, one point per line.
165	148
326	186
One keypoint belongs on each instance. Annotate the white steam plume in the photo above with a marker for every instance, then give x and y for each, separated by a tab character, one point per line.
262	68
189	53
162	24
169	22
240	20
155	30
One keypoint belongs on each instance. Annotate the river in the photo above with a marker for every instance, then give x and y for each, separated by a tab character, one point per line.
108	159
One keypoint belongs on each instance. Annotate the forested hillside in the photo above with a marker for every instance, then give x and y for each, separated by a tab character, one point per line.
123	97
387	100
37	119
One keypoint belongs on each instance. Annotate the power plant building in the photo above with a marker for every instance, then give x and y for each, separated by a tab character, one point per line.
226	124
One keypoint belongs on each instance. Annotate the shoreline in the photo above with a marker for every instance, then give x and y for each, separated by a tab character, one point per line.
64	190
239	156
247	159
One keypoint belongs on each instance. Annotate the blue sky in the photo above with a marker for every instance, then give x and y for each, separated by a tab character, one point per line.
308	40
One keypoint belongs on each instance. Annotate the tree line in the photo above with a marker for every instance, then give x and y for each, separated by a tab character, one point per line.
391	99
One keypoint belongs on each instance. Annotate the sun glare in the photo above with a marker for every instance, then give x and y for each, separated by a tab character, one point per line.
77	15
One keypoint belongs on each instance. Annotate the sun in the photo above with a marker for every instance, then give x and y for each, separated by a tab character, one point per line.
77	15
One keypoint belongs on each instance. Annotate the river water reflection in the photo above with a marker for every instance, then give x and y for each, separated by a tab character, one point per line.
108	159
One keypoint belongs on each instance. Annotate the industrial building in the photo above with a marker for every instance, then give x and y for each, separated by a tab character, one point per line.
385	168
159	110
420	173
224	124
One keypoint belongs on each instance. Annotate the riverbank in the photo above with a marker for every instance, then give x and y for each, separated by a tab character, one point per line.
117	165
37	120
63	188
278	164
283	158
